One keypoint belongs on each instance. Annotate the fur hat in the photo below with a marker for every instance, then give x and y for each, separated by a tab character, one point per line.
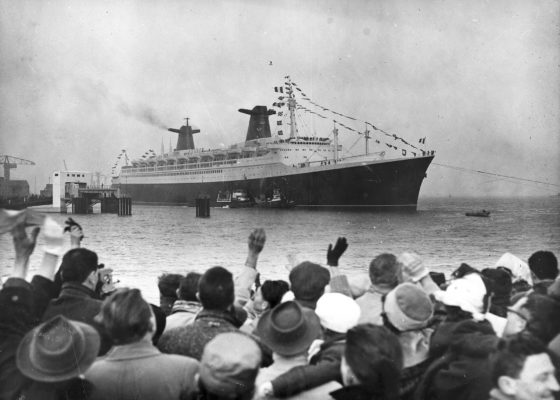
337	312
57	350
408	307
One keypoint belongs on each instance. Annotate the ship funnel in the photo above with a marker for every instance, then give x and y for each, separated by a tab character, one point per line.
258	124
185	138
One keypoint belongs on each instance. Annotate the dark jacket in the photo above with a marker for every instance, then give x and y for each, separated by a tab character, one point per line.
190	340
355	392
324	367
74	389
79	303
462	372
21	307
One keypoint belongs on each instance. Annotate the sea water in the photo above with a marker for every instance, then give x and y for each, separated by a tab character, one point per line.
158	239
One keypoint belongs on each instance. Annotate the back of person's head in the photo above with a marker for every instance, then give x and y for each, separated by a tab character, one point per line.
544	316
77	264
215	289
385	271
544	265
168	285
522	368
407	308
126	316
188	287
373	358
229	366
273	291
308	281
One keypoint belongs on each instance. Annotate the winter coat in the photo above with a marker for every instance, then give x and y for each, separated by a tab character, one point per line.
190	340
79	303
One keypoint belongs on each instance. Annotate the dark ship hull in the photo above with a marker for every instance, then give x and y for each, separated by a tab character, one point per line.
392	184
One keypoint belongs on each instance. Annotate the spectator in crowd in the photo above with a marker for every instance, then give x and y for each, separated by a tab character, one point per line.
537	314
543	266
407	311
308	282
462	372
21	303
168	285
371	365
54	356
228	368
216	294
187	306
501	286
267	296
78	300
385	274
337	313
523	370
289	330
134	368
466	298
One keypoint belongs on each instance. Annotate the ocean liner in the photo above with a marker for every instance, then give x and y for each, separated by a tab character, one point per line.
284	169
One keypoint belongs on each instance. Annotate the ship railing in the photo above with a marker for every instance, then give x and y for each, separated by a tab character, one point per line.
178	167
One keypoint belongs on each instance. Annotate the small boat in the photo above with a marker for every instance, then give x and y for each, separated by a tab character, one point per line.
238	199
482	213
278	200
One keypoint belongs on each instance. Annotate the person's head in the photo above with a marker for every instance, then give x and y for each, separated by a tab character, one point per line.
288	329
229	366
543	265
500	280
308	282
215	289
80	265
57	350
127	317
544	316
188	287
337	312
373	359
407	308
523	370
168	285
385	271
270	294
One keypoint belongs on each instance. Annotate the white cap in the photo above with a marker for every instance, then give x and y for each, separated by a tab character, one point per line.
467	293
337	312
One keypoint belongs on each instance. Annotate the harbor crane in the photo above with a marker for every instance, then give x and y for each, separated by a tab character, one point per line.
10	162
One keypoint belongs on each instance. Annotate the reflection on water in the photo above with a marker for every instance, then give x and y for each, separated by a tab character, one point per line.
158	239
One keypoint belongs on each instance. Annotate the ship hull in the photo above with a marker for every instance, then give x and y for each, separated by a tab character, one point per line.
389	184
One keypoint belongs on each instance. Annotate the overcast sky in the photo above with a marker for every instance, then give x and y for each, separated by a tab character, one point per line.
82	80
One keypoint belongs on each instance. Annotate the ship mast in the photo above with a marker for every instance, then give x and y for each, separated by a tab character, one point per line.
367	138
292	109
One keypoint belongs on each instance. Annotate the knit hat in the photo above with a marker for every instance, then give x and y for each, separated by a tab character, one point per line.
408	307
57	350
467	293
337	312
308	281
230	363
288	329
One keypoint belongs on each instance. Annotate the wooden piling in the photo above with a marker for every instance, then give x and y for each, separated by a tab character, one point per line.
125	206
203	207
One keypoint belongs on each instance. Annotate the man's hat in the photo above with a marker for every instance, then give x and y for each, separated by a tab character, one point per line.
288	329
57	350
230	363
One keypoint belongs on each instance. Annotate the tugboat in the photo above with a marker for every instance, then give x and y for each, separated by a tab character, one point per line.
278	200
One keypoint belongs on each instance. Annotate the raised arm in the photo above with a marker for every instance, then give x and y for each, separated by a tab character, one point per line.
339	282
245	279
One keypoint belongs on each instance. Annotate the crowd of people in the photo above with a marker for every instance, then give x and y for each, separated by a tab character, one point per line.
406	333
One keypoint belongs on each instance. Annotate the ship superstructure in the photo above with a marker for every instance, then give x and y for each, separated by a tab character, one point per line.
306	170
